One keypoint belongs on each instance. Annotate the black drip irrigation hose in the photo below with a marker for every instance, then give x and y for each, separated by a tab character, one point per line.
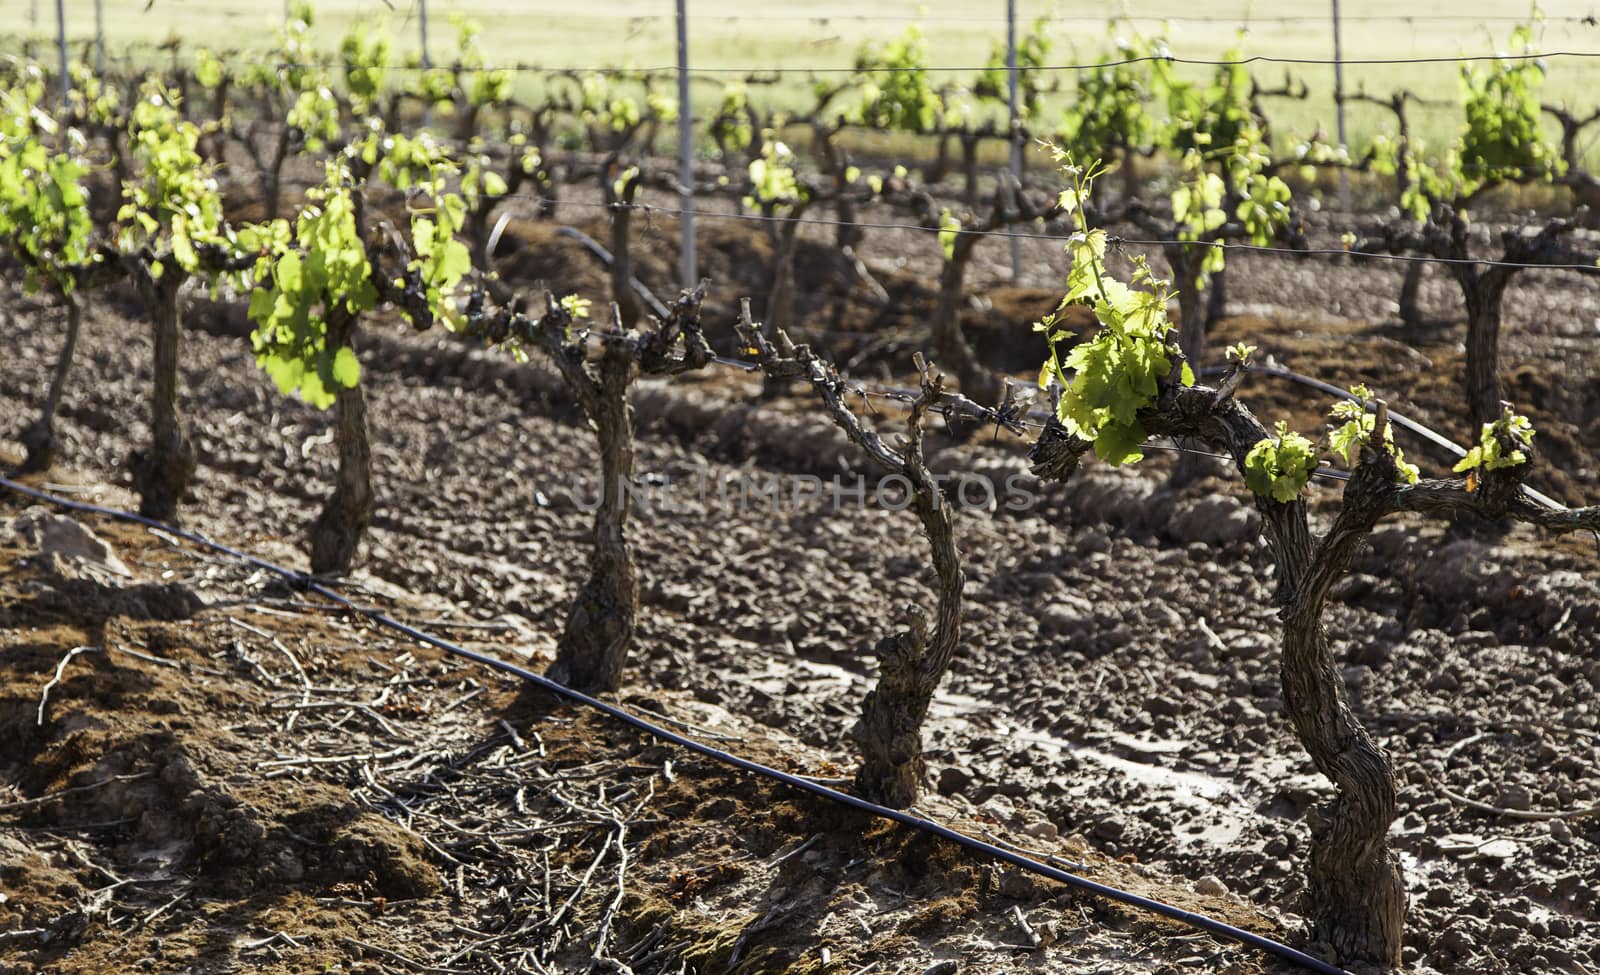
605	257
1221	929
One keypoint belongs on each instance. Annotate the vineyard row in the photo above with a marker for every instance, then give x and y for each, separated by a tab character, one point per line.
120	186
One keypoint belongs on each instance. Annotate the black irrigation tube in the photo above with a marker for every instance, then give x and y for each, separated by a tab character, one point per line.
311	584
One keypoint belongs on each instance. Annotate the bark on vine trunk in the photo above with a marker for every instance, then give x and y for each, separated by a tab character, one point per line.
1410	314
1484	296
912	662
780	300
1184	259
935	172
910	665
969	167
272	179
1356	891
978	382
1216	298
600	624
336	534
163	470
621	260
39	437
1130	174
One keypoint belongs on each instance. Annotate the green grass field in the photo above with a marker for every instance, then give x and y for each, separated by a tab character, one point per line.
726	35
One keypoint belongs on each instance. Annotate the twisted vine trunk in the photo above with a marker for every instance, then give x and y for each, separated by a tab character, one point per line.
272	178
934	173
600	625
779	312
969	167
39	437
978	382
336	534
1130	172
780	300
1357	893
1483	293
911	664
622	260
1185	264
163	470
1217	298
1410	314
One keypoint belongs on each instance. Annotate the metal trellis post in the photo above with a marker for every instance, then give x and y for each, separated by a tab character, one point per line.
422	23
1016	130
685	149
99	37
61	45
1338	104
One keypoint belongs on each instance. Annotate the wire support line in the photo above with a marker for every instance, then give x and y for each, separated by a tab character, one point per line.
313	585
1038	419
1244	19
240	57
1112	239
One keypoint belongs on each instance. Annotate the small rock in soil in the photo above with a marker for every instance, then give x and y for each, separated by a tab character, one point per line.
65	547
954	779
1210	886
1515	797
1042	830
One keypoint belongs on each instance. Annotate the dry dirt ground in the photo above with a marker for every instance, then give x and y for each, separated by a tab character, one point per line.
1115	702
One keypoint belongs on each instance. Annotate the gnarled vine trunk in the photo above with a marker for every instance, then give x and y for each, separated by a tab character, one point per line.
912	662
934	173
1356	891
1483	286
1216	298
347	513
600	624
1484	293
1130	173
272	177
780	300
969	167
1184	259
1410	313
621	259
39	437
978	382
910	666
162	471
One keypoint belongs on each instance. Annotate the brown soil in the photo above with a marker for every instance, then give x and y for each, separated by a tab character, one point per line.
228	819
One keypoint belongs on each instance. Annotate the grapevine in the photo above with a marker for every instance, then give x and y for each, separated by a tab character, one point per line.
895	90
1358	430
1278	467
1501	444
1118	373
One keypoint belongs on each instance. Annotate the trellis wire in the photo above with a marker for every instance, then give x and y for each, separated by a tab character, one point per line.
1112	239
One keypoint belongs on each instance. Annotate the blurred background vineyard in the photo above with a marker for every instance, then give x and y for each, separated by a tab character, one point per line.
728	40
